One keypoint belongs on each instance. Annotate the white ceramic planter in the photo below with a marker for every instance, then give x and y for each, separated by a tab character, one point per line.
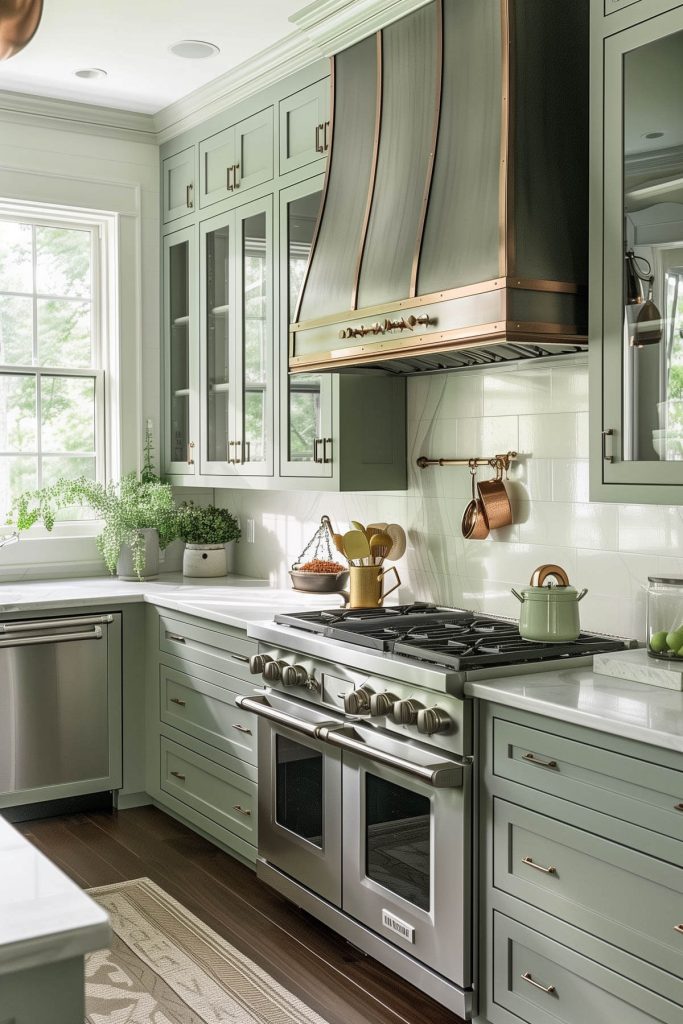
124	566
204	560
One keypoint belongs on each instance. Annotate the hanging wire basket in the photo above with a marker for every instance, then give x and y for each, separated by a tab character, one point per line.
317	570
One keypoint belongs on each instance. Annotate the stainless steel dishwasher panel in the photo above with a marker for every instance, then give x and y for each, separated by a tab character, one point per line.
60	699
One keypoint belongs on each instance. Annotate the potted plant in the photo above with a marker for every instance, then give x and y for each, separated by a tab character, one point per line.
206	532
139	517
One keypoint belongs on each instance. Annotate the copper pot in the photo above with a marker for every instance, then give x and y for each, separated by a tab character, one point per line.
495	501
474	523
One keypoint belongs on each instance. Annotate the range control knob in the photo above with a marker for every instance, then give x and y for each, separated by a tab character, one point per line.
431	720
382	703
258	662
273	670
357	702
405	711
295	675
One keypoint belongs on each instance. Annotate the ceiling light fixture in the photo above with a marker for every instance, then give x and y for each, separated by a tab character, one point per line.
90	73
194	49
19	21
653	135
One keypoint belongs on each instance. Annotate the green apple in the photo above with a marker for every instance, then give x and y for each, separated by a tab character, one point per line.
674	639
658	642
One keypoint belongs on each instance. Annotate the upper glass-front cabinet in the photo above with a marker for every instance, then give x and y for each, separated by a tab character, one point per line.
237	342
306	398
637	373
180	352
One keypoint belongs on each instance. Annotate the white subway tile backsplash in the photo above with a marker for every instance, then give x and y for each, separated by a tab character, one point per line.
559	435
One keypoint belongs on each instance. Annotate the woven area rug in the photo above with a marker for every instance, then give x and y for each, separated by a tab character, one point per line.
166	967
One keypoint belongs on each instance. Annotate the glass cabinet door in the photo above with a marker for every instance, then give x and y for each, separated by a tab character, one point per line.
180	353
642	302
306	418
218	357
254	340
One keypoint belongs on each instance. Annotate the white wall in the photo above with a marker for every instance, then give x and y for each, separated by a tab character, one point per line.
59	164
540	411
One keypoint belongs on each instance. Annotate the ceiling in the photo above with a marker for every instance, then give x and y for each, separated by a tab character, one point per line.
653	89
129	39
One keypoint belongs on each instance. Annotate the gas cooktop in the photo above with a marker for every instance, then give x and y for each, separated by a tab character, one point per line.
452	637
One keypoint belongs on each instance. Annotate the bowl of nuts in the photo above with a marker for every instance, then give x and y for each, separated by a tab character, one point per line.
319	576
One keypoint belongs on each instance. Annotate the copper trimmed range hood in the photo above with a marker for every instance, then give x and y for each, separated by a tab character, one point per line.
454	223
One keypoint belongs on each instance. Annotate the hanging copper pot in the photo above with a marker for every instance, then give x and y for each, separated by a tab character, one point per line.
19	21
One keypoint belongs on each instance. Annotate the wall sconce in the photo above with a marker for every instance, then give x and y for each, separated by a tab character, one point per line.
19	21
644	320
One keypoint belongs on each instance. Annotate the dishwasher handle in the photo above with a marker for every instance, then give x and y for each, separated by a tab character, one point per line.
38	626
52	638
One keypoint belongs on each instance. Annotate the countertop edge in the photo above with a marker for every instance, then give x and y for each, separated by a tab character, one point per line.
49	949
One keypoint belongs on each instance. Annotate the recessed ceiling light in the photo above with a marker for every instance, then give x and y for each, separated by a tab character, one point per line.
653	135
90	73
194	49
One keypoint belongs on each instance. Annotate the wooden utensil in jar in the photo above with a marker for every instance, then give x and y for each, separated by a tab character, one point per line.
398	541
380	547
356	546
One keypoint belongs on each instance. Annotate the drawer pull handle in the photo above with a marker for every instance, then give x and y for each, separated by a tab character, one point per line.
175	636
178	701
678	928
527	977
242	810
539	867
178	775
539	762
239	657
678	807
242	728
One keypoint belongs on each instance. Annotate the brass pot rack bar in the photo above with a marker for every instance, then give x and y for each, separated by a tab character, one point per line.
493	461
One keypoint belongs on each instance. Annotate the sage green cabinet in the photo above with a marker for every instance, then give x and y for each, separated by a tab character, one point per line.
236	159
178	184
180	352
636	331
305	127
236	346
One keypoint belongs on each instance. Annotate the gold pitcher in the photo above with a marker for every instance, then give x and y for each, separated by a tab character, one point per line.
366	586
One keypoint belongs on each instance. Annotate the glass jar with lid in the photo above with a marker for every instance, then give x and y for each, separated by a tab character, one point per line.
665	617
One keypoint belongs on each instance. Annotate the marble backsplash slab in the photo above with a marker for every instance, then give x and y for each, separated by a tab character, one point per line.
541	410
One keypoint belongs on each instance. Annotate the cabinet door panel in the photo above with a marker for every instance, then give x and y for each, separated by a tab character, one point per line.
303	118
178	184
254	150
180	352
216	157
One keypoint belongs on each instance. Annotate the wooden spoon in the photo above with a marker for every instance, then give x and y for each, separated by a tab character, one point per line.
356	546
398	539
357	526
380	546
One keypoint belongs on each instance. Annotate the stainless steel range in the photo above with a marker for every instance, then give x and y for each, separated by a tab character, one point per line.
366	775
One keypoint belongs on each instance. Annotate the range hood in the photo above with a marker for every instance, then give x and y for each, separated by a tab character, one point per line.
454	224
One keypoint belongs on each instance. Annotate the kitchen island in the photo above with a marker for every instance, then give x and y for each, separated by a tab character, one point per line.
47	925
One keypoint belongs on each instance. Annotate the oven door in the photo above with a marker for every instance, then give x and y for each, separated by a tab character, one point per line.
407	849
299	801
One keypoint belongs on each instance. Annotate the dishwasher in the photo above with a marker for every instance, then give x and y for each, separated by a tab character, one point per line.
60	708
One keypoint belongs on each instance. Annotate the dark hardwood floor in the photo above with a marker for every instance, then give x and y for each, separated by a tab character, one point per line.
342	984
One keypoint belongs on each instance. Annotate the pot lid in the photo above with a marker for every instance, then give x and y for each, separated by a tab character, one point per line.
550	593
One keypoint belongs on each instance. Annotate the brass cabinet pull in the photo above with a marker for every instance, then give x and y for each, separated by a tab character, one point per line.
527	977
175	636
242	810
242	728
316	457
228	183
539	867
539	762
178	775
190	454
605	435
326	441
188	196
236	179
326	144
238	458
678	928
319	148
178	701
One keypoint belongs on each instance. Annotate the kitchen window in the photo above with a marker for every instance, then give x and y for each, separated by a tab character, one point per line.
52	373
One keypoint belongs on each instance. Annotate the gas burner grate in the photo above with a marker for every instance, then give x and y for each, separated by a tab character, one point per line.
472	651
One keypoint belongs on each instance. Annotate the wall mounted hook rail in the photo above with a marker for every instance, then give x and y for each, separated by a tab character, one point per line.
491	460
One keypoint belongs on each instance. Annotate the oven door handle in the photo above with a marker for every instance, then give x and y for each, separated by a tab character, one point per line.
441	775
260	706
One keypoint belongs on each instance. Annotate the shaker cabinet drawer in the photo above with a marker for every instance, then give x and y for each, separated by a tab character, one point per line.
615	893
195	644
622	786
214	791
178	186
540	980
201	709
236	159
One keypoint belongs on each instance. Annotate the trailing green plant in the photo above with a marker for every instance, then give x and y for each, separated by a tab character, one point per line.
125	508
207	524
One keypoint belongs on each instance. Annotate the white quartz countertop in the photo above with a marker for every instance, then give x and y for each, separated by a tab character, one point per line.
232	600
636	711
44	916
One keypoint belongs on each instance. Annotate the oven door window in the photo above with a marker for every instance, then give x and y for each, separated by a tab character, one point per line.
299	789
398	840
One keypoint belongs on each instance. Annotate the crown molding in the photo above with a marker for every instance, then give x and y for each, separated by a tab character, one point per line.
283	58
333	25
67	115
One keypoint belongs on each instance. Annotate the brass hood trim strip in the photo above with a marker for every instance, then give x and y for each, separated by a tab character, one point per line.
505	244
373	168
